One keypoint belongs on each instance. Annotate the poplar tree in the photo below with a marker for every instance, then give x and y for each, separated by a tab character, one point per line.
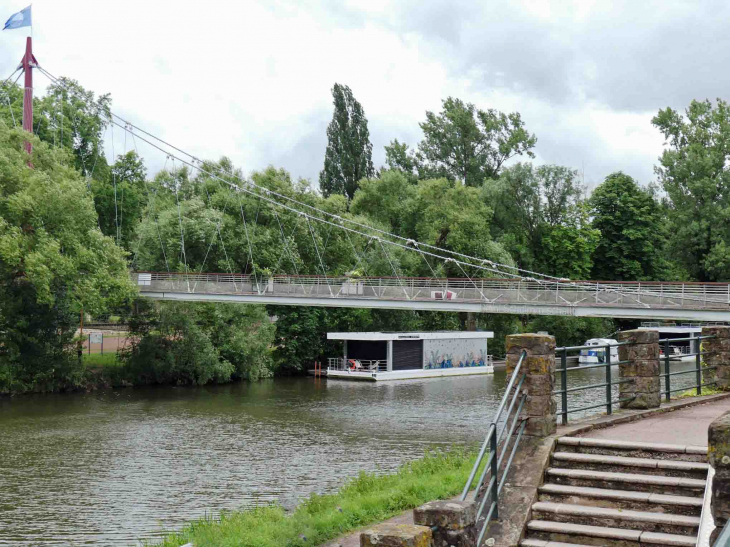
348	158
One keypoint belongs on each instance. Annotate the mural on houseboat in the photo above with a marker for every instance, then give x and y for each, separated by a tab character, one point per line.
454	353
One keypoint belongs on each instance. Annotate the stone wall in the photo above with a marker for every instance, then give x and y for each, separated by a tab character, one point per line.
641	366
539	365
718	455
718	355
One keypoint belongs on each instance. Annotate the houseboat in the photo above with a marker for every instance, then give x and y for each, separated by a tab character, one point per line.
377	356
678	351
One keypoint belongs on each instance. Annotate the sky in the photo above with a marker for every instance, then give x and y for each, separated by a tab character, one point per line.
252	80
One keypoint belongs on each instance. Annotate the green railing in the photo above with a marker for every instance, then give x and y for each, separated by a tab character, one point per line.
697	370
564	390
489	496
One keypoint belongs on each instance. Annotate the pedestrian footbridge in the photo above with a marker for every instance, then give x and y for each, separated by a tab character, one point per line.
655	300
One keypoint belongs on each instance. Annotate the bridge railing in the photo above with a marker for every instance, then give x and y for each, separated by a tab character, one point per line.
491	291
356	365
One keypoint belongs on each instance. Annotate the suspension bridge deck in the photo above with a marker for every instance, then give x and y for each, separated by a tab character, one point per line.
656	300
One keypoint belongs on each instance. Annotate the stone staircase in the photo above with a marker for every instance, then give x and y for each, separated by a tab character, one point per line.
619	494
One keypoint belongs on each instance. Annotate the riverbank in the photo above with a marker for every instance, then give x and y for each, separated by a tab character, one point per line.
364	500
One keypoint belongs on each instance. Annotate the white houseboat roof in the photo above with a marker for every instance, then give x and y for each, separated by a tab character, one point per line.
379	336
672	329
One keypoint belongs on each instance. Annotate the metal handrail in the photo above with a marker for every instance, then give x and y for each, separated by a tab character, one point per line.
723	540
490	495
698	368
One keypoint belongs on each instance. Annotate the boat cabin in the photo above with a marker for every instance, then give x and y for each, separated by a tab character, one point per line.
680	349
402	355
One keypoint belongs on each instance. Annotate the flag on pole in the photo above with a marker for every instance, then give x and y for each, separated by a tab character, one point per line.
17	20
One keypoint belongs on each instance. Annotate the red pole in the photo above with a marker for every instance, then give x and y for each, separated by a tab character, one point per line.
28	62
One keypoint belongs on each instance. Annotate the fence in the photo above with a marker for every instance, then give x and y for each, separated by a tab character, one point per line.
356	365
668	374
608	385
490	494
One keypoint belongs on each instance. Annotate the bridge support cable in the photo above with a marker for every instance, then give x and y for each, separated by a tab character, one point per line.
316	248
286	242
114	178
220	236
469	278
385	252
179	219
7	93
248	240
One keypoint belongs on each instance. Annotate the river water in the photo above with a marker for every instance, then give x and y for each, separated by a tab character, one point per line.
115	467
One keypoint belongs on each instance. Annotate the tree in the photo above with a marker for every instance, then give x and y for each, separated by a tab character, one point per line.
54	263
531	202
632	238
467	144
693	172
348	157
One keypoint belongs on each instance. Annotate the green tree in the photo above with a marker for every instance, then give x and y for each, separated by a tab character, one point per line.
632	238
54	262
465	143
348	157
693	172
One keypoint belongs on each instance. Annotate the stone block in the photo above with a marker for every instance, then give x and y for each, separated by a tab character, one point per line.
641	368
539	384
718	443
720	331
539	405
534	344
639	352
448	515
541	427
717	359
532	364
638	336
641	385
396	535
641	401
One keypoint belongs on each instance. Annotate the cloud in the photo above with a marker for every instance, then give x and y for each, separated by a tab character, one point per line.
251	80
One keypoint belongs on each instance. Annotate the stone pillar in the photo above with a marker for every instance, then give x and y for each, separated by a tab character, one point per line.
642	367
718	455
396	535
454	522
719	356
539	365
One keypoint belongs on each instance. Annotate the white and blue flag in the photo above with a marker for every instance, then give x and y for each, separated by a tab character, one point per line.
17	20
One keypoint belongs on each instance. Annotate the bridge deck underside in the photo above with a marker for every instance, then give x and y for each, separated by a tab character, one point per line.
671	301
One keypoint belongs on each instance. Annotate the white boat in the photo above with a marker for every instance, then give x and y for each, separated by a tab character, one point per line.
597	356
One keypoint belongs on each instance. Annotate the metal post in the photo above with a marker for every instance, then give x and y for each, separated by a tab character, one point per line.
698	369
495	482
102	343
666	369
609	408
564	383
29	63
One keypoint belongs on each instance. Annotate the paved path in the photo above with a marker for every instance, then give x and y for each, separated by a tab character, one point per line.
684	426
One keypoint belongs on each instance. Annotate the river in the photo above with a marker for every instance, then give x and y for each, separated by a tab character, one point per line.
114	467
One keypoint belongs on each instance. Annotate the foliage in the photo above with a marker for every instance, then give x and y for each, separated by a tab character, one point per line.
568	247
54	262
632	242
464	144
571	331
348	157
366	499
693	173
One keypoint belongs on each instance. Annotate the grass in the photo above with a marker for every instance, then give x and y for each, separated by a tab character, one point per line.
98	360
364	500
706	390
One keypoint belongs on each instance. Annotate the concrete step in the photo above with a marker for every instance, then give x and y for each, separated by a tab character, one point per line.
633	449
677	486
624	519
543	543
625	464
621	499
603	536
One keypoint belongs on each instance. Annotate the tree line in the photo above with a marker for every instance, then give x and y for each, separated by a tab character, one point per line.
73	225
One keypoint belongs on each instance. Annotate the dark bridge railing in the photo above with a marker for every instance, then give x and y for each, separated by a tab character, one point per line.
489	496
608	400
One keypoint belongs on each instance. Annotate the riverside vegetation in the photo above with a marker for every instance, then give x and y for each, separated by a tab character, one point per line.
366	499
73	225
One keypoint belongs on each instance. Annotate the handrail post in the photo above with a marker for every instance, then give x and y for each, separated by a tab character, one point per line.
564	385
698	369
494	493
609	395
667	376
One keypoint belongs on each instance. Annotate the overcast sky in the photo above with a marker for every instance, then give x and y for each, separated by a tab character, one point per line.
251	79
